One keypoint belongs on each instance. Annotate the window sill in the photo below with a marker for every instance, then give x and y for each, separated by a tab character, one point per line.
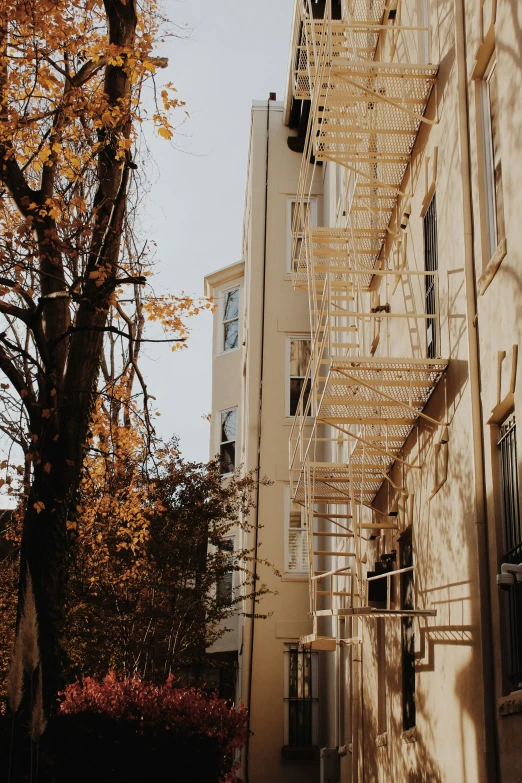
492	268
510	704
294	755
289	577
289	420
410	735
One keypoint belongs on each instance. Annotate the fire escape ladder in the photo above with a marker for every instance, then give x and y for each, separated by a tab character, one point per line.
370	373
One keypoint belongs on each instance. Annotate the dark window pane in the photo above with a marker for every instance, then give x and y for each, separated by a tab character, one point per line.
431	264
228	457
228	425
299	357
231	305
296	384
224	587
231	335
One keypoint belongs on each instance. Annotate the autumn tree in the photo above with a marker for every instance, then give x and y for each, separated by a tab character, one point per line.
71	76
149	563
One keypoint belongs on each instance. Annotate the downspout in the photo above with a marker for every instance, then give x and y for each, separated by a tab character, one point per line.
260	421
488	702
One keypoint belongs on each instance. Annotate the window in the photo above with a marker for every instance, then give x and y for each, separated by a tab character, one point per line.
407	634
231	319
512	530
296	532
494	194
298	358
311	211
431	264
225	583
227	446
300	697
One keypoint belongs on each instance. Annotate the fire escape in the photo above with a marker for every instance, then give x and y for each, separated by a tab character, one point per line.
375	323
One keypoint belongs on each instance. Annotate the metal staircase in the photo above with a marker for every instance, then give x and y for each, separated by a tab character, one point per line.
372	370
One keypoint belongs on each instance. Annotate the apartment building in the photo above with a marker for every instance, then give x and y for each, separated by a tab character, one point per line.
379	308
261	348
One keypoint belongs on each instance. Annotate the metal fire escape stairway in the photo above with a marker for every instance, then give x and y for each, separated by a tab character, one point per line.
366	112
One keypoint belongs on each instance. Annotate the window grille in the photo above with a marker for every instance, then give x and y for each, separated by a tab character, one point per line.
300	699
227	446
512	528
231	320
299	358
431	264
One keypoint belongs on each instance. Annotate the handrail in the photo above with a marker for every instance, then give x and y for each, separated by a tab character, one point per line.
387	575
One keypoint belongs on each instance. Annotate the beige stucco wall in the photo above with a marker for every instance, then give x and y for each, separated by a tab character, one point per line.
452	731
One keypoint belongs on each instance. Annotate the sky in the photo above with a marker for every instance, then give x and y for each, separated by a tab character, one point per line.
237	52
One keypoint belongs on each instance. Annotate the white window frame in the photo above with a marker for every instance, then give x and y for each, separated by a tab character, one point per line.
287	528
489	162
289	338
224	442
289	237
223	296
232	572
315	695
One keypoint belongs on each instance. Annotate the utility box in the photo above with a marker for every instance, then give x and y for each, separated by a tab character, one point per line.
330	766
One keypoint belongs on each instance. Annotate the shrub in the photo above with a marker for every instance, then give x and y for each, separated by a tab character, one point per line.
128	730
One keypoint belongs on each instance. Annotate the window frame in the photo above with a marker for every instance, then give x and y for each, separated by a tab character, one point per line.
287	529
314	697
288	377
223	295
489	160
430	234
289	237
226	442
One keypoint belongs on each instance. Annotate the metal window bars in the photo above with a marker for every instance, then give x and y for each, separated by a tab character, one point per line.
510	493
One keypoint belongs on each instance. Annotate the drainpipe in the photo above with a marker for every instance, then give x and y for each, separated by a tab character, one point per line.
488	740
260	421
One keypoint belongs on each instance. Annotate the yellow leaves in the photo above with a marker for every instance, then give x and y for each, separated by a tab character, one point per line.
39	506
48	467
148	66
44	153
164	132
71	525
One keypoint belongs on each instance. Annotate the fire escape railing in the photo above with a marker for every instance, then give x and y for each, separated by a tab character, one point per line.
370	374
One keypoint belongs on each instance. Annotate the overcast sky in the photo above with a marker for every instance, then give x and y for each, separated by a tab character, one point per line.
237	52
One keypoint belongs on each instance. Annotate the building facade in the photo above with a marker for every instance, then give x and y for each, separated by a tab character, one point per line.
378	333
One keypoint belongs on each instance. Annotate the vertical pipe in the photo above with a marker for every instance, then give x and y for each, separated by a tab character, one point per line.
488	740
259	426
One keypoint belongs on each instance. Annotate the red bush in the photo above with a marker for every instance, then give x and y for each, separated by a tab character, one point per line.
185	711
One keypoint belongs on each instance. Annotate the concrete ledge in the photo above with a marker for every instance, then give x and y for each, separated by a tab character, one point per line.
381	740
410	735
510	705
